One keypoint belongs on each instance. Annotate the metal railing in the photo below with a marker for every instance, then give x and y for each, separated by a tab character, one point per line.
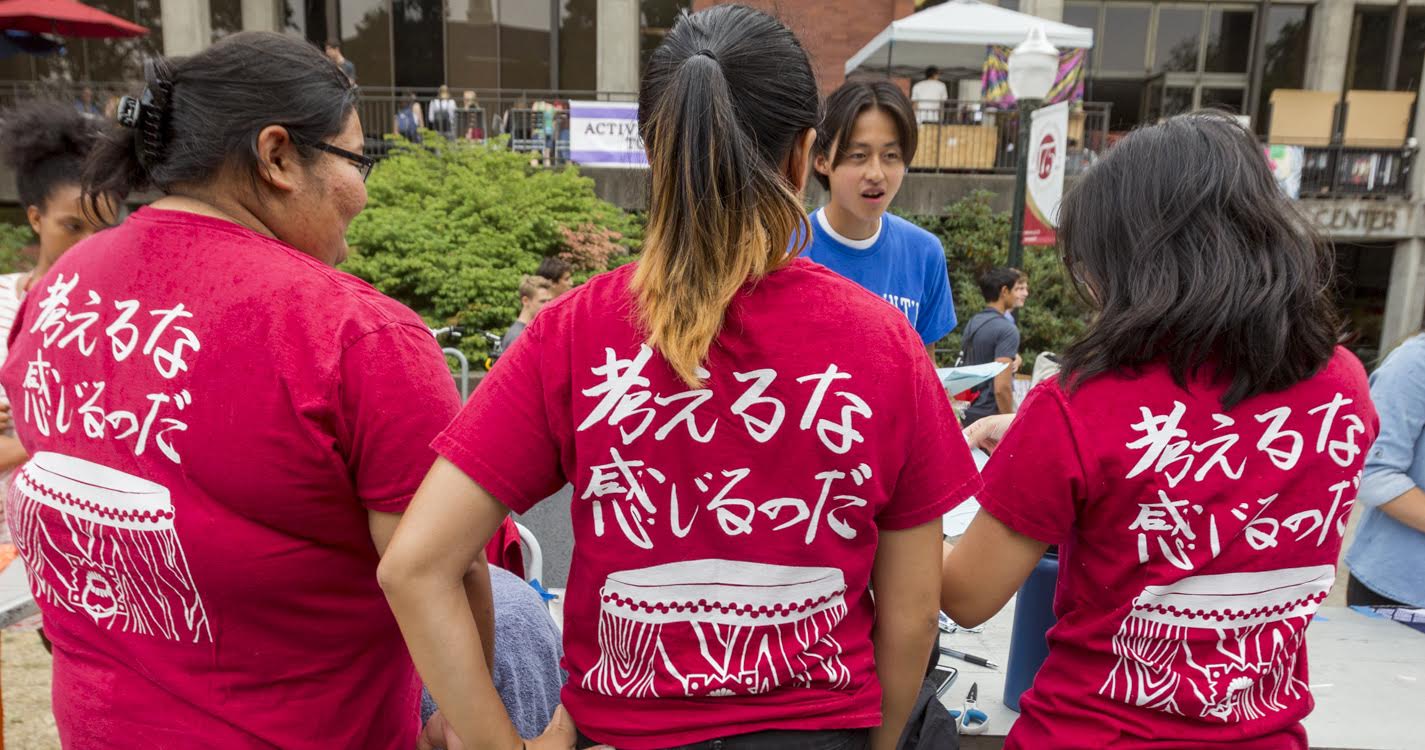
1353	172
536	120
963	136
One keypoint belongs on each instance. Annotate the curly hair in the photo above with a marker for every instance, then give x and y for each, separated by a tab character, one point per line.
46	142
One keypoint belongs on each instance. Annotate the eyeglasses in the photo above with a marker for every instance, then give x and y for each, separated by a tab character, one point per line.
363	163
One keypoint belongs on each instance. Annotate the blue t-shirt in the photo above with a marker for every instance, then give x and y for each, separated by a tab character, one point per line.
902	264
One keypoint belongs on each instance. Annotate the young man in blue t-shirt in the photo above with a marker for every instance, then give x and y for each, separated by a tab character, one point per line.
862	150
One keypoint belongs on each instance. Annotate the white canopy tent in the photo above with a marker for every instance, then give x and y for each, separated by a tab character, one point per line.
955	34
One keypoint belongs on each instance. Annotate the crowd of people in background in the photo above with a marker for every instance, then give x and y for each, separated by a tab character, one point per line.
256	513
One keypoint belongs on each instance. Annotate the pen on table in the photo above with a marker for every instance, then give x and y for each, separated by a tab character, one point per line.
980	660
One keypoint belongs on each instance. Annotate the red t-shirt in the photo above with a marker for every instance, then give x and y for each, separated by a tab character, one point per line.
211	413
1195	546
724	536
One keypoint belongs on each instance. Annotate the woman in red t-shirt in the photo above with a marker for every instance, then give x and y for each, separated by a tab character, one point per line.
225	428
1195	461
752	439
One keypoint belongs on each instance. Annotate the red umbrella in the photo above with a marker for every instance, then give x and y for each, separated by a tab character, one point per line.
64	18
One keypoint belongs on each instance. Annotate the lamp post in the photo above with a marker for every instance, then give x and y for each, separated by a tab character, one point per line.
1033	66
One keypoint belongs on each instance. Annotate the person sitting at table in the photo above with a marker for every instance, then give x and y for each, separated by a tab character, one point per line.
526	670
1195	460
225	428
1387	558
739	481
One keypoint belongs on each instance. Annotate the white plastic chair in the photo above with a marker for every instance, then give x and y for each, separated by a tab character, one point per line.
533	554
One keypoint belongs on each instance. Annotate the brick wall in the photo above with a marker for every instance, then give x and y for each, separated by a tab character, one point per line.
831	30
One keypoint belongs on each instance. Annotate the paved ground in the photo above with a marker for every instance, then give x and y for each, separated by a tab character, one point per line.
550	523
25	675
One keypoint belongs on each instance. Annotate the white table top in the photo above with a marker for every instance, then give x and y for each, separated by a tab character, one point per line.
1367	675
15	601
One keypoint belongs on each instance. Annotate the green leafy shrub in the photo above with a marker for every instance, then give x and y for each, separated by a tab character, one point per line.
450	227
14	238
976	239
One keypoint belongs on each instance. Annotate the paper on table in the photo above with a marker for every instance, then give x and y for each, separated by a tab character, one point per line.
959	379
956	521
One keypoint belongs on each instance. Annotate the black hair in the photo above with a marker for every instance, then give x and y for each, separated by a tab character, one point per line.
723	103
995	279
1195	258
554	268
207	110
932	71
46	142
848	103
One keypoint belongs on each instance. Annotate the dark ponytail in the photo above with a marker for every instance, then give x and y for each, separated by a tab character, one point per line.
203	113
723	102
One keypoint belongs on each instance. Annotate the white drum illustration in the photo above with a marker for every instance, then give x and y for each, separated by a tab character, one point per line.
1220	646
718	627
107	549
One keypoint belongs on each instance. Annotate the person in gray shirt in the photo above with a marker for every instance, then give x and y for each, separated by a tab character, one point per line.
992	336
526	671
535	291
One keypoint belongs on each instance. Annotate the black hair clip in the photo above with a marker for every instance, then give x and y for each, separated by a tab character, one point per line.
145	116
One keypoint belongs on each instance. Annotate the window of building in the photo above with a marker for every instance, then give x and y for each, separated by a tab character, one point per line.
472	50
1182	56
578	45
418	43
1284	55
224	17
1126	49
1178	42
1370	47
1126	98
1085	16
366	39
306	19
655	20
525	29
1229	40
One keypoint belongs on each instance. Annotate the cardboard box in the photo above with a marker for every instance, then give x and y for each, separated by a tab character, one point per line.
1302	118
1377	119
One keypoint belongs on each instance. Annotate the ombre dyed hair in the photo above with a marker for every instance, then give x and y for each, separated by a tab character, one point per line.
723	102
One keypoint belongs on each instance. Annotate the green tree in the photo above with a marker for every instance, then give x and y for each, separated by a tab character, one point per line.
450	227
14	238
976	239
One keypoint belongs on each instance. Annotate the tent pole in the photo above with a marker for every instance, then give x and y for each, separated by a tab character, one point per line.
891	57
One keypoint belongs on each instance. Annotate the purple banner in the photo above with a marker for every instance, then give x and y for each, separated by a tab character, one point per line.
603	113
608	157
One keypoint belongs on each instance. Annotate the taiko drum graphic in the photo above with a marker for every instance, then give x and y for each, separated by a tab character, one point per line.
102	542
718	628
1218	646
